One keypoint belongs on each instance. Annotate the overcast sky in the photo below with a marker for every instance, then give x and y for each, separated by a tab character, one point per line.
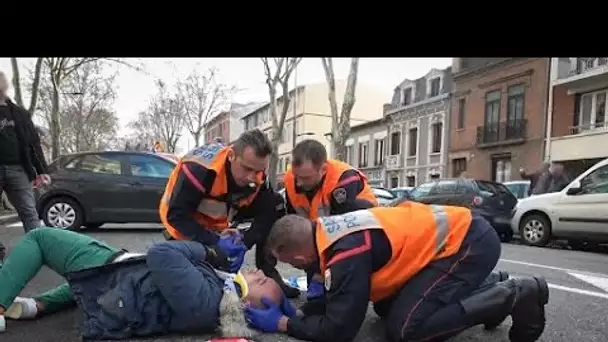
135	88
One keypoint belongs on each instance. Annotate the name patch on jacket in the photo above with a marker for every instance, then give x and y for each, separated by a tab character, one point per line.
206	153
356	220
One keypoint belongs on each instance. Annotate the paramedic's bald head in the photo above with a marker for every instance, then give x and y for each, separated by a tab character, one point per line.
291	240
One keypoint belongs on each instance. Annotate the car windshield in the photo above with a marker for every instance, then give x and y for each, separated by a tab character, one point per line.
383	193
520	190
421	190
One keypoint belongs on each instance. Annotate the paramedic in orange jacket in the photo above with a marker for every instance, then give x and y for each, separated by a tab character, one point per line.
316	186
214	185
426	269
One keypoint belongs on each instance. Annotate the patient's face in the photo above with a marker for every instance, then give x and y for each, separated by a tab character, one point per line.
261	286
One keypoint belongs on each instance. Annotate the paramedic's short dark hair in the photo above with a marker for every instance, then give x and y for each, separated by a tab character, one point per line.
255	139
311	150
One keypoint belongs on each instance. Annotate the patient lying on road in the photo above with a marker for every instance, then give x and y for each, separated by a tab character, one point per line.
169	289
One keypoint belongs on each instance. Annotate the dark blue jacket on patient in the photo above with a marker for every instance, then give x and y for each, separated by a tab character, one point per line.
170	289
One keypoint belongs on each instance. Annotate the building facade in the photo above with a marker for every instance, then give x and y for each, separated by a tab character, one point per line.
366	150
577	129
498	116
417	120
310	108
227	125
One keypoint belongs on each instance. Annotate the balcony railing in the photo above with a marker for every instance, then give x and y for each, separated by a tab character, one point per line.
589	127
507	132
585	64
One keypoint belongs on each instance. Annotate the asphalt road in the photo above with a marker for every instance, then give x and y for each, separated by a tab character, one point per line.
577	309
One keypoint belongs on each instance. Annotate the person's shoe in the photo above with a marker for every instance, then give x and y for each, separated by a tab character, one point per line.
528	311
496	277
22	308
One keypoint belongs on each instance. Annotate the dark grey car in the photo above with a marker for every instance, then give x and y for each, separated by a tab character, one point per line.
93	188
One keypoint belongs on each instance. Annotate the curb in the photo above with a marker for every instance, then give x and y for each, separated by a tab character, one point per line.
8	219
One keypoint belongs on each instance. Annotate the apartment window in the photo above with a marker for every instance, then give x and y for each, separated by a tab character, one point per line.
406	96
492	115
349	154
592	110
363	153
515	109
280	167
410	181
461	113
435	84
395	143
256	121
287	133
413	138
501	169
437	129
379	152
394	182
459	165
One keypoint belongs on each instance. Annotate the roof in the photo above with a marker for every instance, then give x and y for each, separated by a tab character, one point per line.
266	104
368	124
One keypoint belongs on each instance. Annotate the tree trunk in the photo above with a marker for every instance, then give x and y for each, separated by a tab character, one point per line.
55	126
274	161
197	138
16	81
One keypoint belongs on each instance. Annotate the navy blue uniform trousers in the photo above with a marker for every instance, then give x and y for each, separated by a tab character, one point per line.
428	307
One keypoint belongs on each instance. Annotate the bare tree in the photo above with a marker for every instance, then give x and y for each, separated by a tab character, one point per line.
33	91
162	121
88	121
201	96
277	73
86	117
340	123
59	69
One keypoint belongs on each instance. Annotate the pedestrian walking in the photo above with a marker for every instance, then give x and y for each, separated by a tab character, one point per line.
22	163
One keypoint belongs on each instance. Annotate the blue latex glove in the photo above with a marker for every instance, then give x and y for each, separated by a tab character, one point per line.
234	249
237	261
286	307
231	245
316	289
266	319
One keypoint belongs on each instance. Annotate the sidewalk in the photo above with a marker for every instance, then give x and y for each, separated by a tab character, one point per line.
8	217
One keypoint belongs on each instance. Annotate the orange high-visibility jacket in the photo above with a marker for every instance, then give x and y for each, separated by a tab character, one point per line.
213	212
321	204
418	234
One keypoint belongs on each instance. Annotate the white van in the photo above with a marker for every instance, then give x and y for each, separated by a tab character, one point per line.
578	213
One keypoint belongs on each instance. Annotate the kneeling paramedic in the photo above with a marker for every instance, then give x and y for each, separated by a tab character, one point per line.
426	269
315	187
169	289
214	185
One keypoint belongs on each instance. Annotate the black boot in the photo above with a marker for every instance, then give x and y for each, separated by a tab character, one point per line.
490	304
528	312
493	278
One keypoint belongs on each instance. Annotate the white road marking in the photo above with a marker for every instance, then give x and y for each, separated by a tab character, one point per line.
578	291
567	270
599	282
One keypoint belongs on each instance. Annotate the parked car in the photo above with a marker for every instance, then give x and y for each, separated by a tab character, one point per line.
402	192
384	196
578	213
490	199
519	188
93	188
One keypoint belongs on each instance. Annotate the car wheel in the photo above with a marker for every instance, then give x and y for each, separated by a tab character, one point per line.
63	213
535	230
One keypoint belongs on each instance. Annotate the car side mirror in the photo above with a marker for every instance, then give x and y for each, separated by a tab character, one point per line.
574	189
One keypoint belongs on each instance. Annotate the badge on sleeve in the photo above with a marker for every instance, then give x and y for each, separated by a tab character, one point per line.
339	195
327	279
